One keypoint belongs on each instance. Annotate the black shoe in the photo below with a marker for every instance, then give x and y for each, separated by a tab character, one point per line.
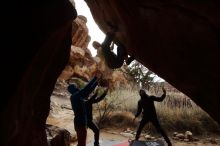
96	144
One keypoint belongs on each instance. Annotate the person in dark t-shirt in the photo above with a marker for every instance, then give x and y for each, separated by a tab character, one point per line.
146	104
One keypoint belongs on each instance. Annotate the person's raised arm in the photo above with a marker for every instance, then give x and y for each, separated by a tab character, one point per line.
159	99
89	87
101	97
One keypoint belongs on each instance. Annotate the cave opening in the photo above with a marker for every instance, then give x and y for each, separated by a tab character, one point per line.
40	47
81	68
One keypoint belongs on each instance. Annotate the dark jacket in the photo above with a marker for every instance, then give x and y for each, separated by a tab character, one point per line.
78	102
146	104
92	100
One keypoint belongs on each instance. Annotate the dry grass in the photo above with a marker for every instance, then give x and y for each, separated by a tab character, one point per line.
176	113
118	120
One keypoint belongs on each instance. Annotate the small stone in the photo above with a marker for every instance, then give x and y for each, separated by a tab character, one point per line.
180	136
129	135
128	130
148	137
188	135
175	138
212	141
175	133
133	132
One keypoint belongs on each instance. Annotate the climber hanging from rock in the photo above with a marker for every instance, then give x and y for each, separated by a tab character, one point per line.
113	60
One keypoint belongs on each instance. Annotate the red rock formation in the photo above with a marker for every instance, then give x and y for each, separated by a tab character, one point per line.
81	62
58	136
178	40
80	32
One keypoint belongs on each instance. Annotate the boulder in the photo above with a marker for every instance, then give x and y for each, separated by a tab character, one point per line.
189	135
57	136
177	40
180	136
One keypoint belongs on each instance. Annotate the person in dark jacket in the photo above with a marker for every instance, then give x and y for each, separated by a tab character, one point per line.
78	105
146	104
90	123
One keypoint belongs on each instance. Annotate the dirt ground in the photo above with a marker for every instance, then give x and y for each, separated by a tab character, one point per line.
63	117
114	134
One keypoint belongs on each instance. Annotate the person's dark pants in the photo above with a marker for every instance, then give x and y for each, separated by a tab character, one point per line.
95	129
156	123
81	132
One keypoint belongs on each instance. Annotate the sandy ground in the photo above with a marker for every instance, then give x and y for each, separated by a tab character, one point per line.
113	134
63	118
